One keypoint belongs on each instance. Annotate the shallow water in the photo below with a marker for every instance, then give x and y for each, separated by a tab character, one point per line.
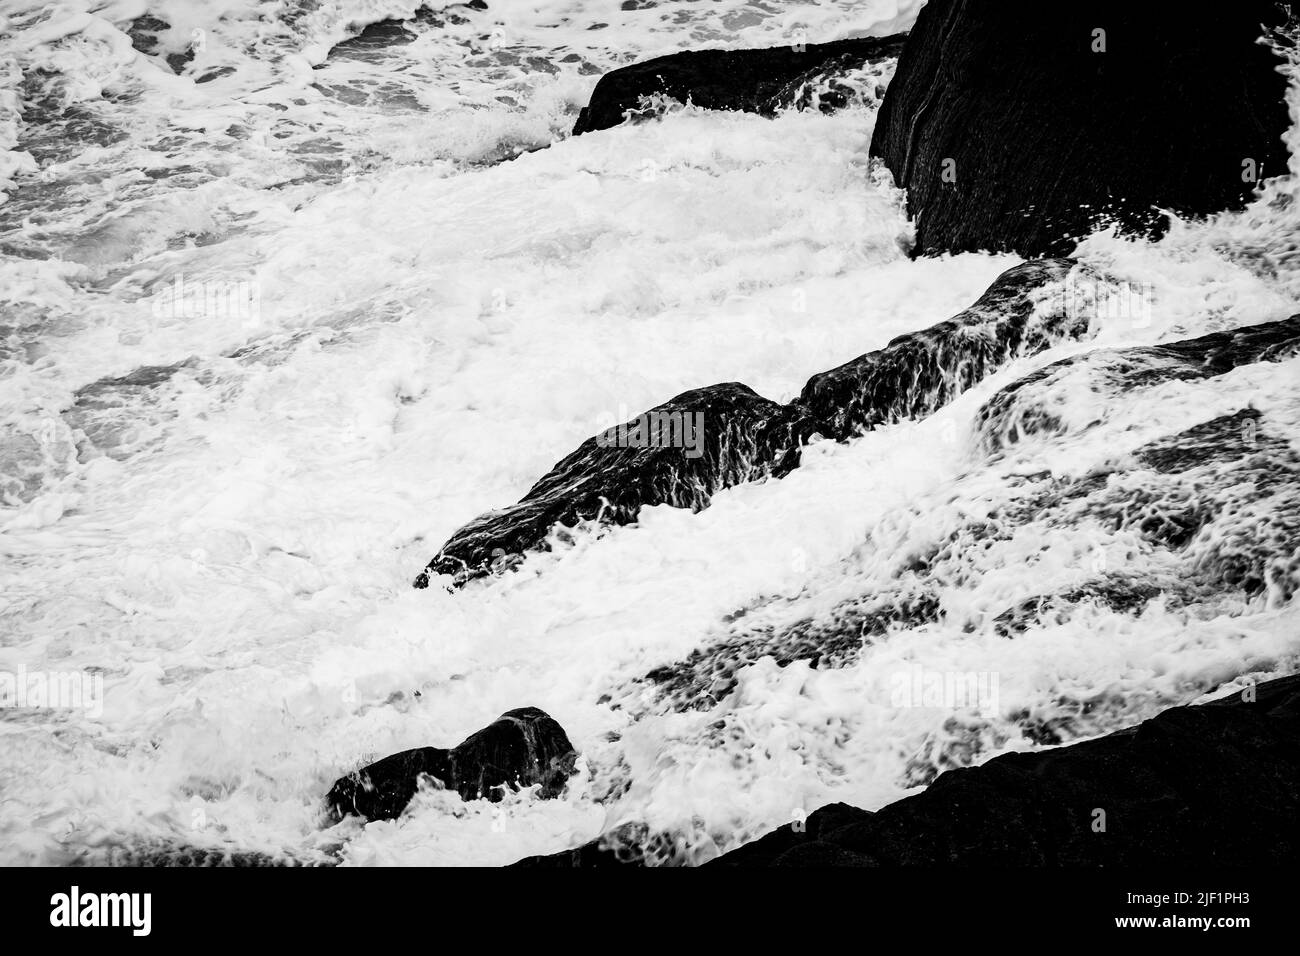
267	340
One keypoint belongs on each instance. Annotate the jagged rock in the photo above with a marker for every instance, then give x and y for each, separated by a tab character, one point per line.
1219	503
919	372
1014	125
1204	520
520	748
746	437
1208	518
1217	784
679	453
753	81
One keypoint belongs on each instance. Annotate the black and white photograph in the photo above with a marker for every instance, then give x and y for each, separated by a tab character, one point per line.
860	436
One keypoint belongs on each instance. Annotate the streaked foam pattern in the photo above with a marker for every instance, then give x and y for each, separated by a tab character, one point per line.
215	495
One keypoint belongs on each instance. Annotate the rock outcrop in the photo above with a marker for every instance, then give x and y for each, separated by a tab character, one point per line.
1215	507
1217	784
1203	519
1212	785
684	451
1026	407
1018	125
919	372
521	748
678	453
753	81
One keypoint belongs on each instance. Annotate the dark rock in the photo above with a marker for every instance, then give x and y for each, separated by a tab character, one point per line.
752	81
746	437
633	845
1211	515
520	748
143	33
1224	495
679	453
1043	133
1224	439
156	853
1217	784
624	846
1023	408
832	85
1117	592
919	372
125	415
146	35
375	38
382	33
708	674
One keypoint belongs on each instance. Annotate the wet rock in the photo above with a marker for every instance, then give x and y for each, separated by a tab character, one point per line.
707	675
521	748
154	37
375	38
919	372
382	33
1026	407
1105	109
123	416
835	84
54	131
629	845
743	437
1122	593
1204	519
753	81
679	453
155	853
1217	784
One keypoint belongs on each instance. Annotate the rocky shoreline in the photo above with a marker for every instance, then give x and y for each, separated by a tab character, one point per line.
1209	784
1113	114
1088	97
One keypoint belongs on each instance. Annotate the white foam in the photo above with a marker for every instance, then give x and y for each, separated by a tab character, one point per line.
234	546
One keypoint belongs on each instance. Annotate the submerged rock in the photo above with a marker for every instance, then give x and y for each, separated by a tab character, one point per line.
1080	111
155	853
147	35
1203	521
375	38
1168	791
919	372
679	453
752	81
1029	406
707	675
1215	784
521	748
